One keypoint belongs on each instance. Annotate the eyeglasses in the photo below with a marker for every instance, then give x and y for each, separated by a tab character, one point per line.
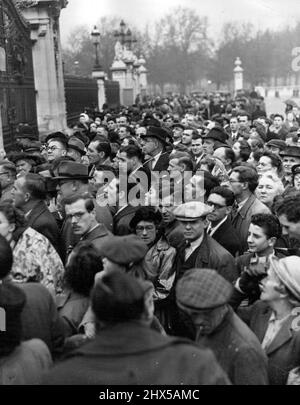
215	205
52	148
140	228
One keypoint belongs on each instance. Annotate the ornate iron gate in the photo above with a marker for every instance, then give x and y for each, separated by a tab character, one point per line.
17	91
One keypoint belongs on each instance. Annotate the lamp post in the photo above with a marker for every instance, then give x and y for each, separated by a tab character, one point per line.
95	34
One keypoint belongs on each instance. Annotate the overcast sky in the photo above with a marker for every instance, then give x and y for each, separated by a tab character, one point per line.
263	14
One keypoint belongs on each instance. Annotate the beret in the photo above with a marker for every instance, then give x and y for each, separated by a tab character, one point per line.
287	270
192	211
202	289
124	249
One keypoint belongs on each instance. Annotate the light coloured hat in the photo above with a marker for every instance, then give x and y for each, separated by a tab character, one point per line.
192	211
287	270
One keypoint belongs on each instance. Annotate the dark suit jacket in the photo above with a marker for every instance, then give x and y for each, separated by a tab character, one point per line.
227	236
284	351
122	219
241	220
41	219
238	351
96	237
40	318
162	163
119	353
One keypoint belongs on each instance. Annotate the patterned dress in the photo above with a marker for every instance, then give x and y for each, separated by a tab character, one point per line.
36	260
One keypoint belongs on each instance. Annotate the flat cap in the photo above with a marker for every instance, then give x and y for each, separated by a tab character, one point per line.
124	249
287	270
291	151
277	143
192	211
200	289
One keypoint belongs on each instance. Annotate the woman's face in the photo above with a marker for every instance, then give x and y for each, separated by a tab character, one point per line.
146	230
6	229
266	191
297	182
236	149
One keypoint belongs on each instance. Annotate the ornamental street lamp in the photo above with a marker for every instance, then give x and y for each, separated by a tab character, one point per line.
95	34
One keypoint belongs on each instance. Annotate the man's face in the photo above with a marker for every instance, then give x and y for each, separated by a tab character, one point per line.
122	121
92	153
273	149
23	167
177	133
111	193
93	128
197	148
65	188
82	221
55	150
5	178
174	166
148	145
243	121
235	184
122	132
220	209
265	165
187	137
101	131
288	162
125	164
234	125
220	154
257	239
169	122
74	154
111	125
193	230
19	195
206	320
292	229
278	122
208	146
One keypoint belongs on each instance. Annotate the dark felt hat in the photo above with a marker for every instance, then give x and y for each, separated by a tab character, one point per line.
156	132
217	134
57	136
77	144
277	143
36	159
68	170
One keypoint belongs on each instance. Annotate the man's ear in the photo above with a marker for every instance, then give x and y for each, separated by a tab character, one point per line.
27	197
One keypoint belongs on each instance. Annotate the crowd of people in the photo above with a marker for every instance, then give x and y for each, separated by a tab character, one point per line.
155	244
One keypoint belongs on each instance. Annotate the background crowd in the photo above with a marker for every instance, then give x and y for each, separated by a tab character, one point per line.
192	279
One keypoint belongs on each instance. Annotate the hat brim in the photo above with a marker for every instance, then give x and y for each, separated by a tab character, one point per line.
70	178
164	141
187	219
82	152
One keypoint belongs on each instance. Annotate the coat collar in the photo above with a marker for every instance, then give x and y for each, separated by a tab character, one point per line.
125	339
98	232
284	334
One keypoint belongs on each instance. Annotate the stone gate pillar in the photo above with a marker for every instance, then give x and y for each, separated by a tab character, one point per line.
238	75
43	16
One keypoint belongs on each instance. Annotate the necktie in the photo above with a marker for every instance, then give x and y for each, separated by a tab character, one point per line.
188	250
234	210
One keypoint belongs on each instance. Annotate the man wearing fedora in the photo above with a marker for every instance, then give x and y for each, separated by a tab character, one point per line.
7	178
73	178
76	149
203	295
154	144
290	156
